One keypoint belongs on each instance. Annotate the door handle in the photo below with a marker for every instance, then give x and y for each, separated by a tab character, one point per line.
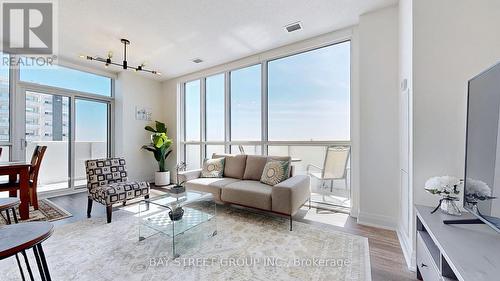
24	144
423	265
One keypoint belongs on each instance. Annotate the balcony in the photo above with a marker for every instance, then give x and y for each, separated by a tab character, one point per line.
54	172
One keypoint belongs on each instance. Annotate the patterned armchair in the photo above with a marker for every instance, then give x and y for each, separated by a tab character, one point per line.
107	183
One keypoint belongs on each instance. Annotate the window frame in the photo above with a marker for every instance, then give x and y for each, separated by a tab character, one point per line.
17	96
264	142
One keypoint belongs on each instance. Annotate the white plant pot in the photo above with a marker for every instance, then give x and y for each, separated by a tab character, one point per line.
162	178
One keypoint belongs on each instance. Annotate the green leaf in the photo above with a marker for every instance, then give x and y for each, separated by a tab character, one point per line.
149	128
149	148
168	153
159	139
160	127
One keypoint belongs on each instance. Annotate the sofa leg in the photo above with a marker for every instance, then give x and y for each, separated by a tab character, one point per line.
290	222
89	207
109	211
309	203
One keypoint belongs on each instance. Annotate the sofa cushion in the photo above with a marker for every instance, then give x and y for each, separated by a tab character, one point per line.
212	185
234	166
248	193
255	165
275	172
213	168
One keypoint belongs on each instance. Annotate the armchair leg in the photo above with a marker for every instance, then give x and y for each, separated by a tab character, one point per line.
290	222
109	211
89	207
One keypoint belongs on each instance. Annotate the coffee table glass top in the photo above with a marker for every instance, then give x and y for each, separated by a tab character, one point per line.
198	208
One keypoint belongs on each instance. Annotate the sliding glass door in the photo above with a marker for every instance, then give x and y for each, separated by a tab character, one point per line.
67	110
91	135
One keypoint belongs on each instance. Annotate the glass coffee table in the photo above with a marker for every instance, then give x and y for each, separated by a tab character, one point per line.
198	221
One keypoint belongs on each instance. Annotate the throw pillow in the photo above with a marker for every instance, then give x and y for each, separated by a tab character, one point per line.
213	168
275	172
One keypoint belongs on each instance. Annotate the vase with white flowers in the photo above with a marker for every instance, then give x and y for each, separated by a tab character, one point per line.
448	188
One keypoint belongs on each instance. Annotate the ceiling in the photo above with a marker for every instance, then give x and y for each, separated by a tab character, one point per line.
167	35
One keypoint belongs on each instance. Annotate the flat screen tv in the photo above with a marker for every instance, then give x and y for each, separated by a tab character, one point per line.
482	160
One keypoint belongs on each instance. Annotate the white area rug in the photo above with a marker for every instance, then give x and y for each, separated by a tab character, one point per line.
248	246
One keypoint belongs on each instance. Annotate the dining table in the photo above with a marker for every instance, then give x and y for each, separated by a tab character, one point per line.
18	171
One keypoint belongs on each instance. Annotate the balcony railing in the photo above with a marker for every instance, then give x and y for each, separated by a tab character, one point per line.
54	172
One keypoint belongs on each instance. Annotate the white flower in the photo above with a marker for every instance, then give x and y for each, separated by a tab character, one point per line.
443	185
478	188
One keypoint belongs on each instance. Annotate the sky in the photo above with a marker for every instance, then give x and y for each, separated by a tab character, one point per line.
308	99
90	116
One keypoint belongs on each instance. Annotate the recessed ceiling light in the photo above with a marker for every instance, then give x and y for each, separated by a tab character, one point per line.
293	26
197	60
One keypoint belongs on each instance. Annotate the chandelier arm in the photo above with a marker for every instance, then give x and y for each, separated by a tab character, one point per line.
124	64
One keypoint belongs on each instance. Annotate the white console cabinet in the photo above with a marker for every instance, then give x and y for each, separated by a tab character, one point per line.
455	252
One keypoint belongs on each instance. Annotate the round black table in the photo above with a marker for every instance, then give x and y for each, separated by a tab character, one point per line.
7	205
17	238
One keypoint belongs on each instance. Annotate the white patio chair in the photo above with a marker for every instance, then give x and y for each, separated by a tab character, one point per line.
334	167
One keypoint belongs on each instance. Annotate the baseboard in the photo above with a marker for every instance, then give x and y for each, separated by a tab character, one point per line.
375	220
408	252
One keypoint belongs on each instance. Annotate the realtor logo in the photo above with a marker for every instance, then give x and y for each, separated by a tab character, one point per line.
28	28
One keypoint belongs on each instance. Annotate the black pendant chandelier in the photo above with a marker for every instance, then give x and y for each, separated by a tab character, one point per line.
107	61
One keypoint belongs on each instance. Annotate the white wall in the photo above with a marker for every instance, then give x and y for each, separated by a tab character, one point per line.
170	100
379	115
454	40
406	223
134	90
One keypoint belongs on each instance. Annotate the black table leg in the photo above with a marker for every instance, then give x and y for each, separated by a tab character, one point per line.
8	216
20	268
14	214
28	265
39	263
44	262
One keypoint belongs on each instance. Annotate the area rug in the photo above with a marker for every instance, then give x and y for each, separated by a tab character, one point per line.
247	246
47	211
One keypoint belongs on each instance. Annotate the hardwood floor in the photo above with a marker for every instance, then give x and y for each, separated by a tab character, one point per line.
386	256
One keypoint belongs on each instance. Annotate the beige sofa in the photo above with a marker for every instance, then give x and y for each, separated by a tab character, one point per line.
241	185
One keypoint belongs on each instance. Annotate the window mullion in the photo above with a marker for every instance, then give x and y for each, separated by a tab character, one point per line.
264	108
227	111
203	119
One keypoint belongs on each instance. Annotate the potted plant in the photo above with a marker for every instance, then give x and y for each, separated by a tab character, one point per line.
160	146
179	186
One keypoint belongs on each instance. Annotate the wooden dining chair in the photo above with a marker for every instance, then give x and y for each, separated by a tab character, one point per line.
36	162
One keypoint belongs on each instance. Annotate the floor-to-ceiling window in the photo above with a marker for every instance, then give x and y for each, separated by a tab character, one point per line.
5	143
65	109
245	110
309	110
297	105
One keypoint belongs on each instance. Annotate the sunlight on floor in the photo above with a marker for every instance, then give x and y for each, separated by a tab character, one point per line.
325	216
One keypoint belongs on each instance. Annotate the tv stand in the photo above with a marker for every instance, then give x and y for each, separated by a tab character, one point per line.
464	221
458	249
